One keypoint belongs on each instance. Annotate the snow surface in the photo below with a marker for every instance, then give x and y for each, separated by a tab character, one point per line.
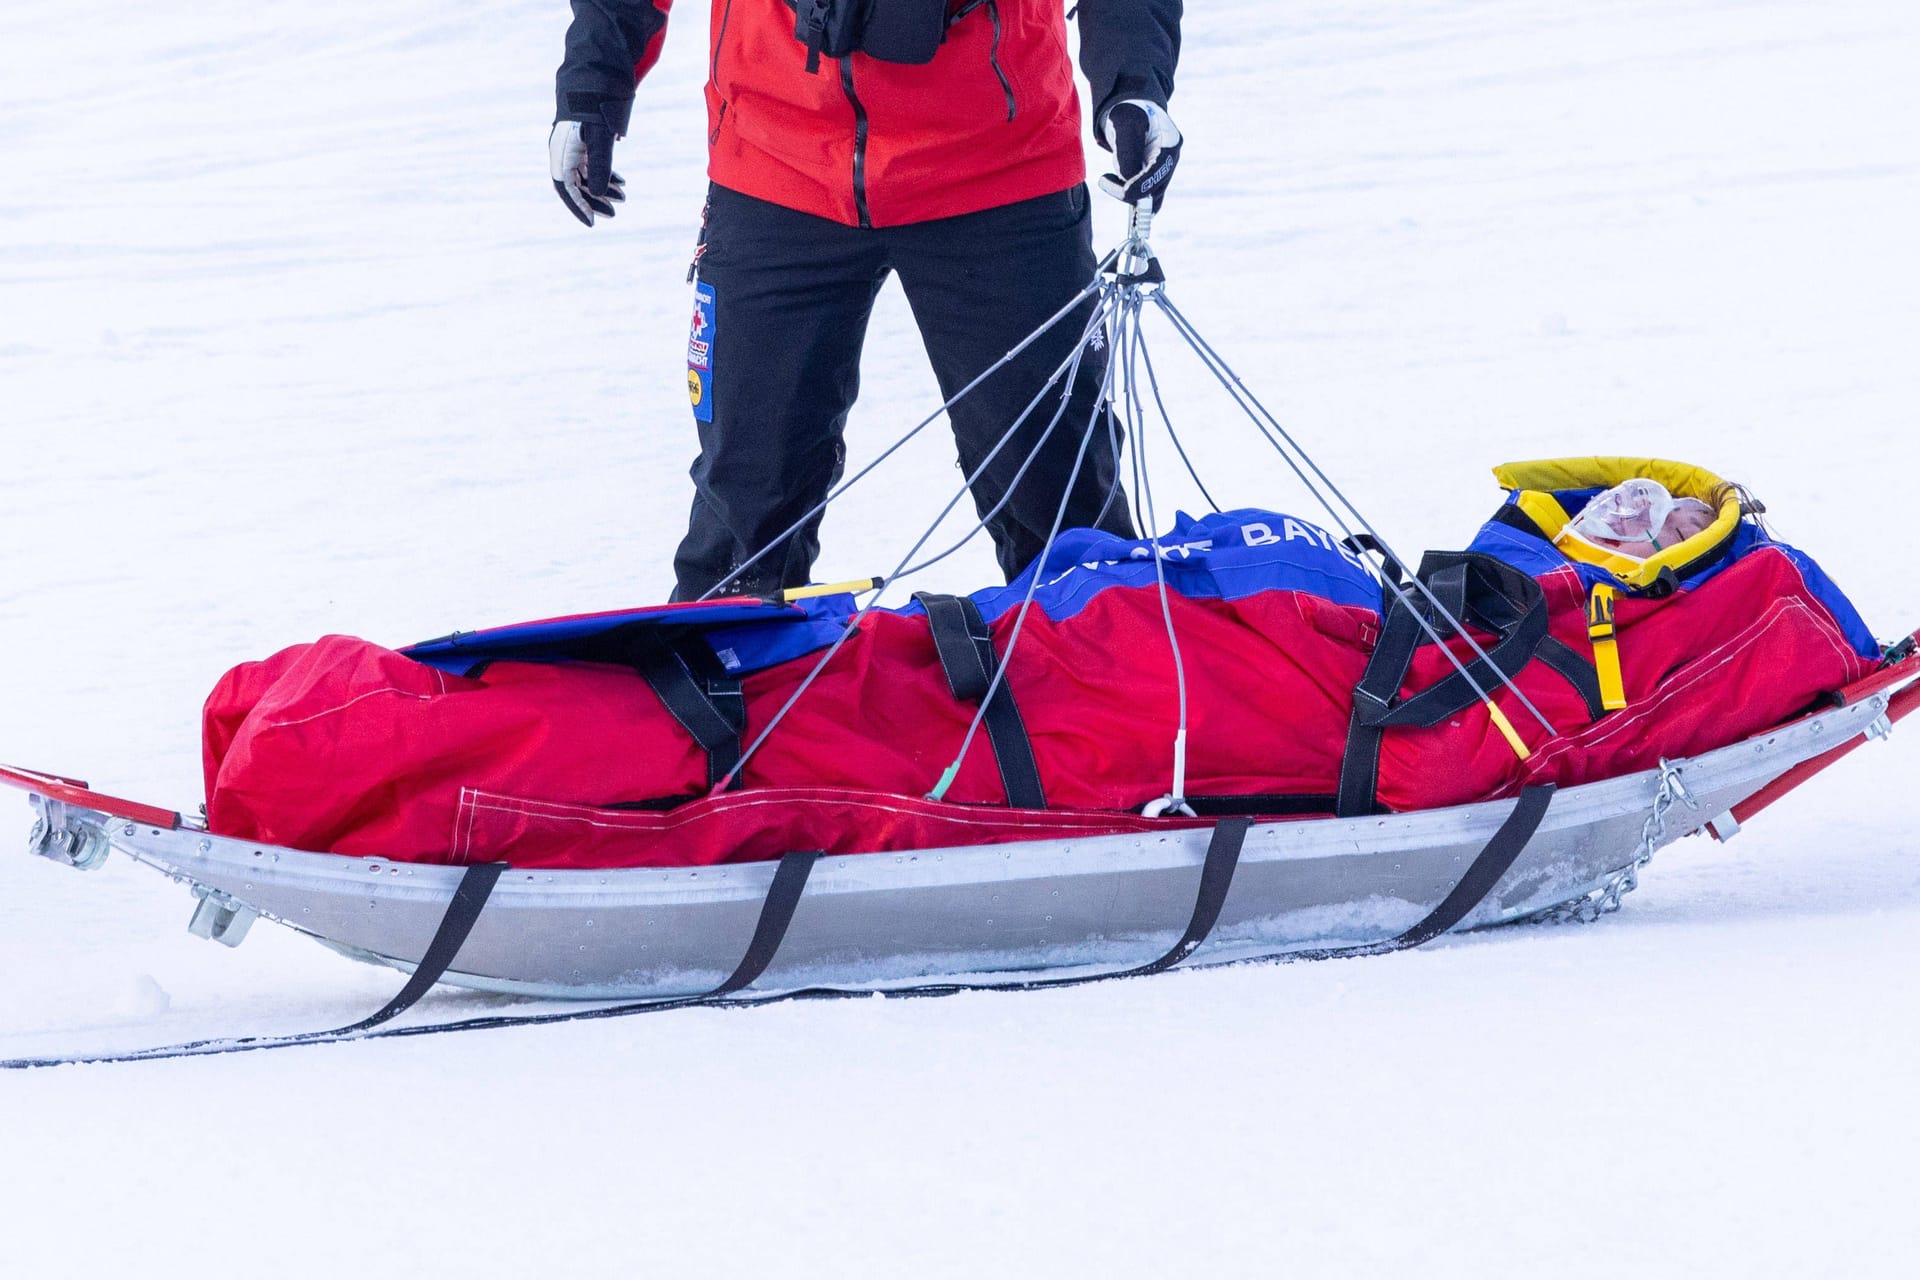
295	338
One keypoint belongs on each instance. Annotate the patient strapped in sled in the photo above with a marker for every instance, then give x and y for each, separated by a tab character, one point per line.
1639	620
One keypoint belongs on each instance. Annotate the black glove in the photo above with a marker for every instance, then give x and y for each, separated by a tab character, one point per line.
1146	147
580	155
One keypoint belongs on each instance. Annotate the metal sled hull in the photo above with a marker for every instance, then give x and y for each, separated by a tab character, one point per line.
892	918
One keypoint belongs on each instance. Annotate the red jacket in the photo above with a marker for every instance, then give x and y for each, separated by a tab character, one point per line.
992	119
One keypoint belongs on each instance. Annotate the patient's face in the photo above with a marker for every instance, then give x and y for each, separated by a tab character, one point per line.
1688	517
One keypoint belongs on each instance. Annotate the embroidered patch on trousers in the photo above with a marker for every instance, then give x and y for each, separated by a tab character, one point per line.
700	353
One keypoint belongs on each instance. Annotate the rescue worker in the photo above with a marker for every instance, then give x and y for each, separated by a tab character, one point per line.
848	139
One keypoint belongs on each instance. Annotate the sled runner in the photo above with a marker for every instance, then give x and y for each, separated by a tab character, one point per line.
1362	757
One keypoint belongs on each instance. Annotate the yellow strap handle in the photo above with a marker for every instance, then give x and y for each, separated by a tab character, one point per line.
832	589
1606	649
1507	731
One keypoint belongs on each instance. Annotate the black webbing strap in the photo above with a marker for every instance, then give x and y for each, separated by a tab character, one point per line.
769	931
1479	591
1229	837
1216	877
1482	874
965	646
1261	805
469	896
776	913
1576	671
1485	871
698	692
1366	543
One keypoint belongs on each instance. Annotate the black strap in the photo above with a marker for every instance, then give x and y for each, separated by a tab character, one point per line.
1377	694
1261	805
1477	590
776	913
469	896
969	672
1485	871
965	645
679	664
811	27
1481	592
1576	671
1216	878
698	692
1482	874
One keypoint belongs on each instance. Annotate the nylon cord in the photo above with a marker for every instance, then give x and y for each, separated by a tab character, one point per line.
1039	567
1237	389
1144	482
1033	454
1097	285
1146	358
1070	366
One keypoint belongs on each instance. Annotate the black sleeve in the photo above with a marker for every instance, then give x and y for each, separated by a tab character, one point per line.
1128	49
606	42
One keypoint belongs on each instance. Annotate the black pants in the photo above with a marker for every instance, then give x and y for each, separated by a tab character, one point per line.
773	367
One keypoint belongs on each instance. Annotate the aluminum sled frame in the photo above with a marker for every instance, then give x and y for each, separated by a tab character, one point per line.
892	919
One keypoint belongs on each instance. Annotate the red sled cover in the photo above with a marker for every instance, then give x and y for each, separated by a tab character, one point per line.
536	745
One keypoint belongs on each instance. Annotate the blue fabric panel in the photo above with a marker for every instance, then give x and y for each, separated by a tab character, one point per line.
1818	583
1224	556
753	648
542	641
1530	555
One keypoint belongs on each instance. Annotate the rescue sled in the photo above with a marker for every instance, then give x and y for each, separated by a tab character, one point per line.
1053	905
1446	807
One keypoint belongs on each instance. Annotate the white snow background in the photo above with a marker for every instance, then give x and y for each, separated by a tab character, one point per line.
295	338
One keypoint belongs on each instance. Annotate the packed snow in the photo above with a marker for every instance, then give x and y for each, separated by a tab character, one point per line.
295	339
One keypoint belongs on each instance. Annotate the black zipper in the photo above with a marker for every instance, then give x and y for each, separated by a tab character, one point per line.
859	141
713	73
993	59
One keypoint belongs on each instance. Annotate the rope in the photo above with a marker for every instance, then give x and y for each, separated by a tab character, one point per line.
1071	367
1175	801
1076	356
1039	568
1146	358
1248	403
1118	316
1097	285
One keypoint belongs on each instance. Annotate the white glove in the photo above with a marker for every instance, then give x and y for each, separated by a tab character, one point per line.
1145	146
580	156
